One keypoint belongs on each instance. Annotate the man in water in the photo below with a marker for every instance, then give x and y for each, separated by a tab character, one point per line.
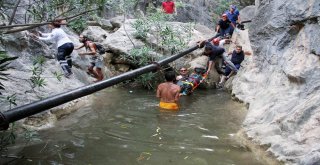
168	92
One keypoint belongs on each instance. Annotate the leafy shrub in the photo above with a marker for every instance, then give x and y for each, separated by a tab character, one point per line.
4	62
78	25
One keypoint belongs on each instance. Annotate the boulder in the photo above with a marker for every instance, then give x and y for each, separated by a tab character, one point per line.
95	33
280	81
247	13
122	41
106	24
20	72
117	21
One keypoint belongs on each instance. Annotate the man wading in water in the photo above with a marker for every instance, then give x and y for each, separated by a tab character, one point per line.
168	92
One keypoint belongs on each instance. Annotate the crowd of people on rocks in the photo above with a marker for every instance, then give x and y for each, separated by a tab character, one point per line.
184	84
65	46
176	86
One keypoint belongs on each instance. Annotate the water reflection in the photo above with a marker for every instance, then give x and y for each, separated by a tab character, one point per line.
124	128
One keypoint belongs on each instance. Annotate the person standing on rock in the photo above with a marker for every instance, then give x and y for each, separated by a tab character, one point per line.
212	52
234	16
168	92
64	45
169	7
95	60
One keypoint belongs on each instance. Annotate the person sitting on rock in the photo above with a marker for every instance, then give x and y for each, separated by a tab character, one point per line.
184	74
237	57
95	60
225	27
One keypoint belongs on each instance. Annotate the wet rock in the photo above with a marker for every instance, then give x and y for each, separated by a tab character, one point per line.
122	67
281	81
40	121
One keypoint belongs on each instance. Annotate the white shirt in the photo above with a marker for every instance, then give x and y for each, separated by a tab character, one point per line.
57	35
221	43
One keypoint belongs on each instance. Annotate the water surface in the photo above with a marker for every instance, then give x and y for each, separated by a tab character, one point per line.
124	127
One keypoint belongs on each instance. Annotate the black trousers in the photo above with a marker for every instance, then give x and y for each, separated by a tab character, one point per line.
64	58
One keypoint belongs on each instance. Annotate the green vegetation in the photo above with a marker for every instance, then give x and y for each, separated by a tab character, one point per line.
6	137
36	79
170	41
4	62
222	6
78	25
139	56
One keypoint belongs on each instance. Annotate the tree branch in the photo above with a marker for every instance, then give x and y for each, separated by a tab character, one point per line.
34	25
64	13
14	12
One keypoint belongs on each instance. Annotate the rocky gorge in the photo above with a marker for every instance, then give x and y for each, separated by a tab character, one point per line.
279	82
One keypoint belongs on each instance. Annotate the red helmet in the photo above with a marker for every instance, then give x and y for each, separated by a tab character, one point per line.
216	41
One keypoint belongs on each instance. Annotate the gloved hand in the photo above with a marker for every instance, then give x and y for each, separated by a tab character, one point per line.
236	30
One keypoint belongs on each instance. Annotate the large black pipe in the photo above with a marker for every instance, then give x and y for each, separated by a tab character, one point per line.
53	101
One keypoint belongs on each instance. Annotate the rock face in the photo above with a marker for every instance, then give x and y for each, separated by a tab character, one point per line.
118	42
20	72
281	81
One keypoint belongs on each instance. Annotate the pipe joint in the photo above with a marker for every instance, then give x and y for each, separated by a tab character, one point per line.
158	66
4	124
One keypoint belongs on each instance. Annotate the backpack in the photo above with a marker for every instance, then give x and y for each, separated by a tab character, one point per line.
100	48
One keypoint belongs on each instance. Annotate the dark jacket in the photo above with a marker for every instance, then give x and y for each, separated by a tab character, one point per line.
237	58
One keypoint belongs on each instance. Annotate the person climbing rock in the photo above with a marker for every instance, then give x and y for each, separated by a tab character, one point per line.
95	60
219	65
169	7
212	52
220	42
63	43
236	58
168	92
